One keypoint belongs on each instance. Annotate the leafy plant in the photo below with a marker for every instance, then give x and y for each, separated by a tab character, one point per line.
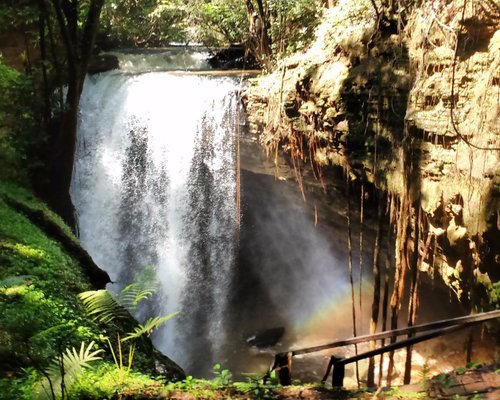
105	382
223	377
445	379
101	306
256	388
67	367
397	393
104	306
148	327
424	375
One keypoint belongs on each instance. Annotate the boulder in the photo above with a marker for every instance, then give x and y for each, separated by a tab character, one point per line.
266	338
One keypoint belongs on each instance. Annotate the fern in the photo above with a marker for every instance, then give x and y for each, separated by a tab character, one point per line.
68	366
101	306
131	295
106	305
74	362
148	327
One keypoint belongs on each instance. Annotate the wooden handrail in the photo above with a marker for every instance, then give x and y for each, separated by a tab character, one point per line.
340	363
283	363
401	331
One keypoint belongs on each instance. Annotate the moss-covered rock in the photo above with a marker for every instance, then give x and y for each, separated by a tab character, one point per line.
42	269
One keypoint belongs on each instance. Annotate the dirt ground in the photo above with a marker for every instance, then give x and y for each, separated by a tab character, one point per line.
476	383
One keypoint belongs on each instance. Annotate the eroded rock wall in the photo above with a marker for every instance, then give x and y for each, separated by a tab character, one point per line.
418	88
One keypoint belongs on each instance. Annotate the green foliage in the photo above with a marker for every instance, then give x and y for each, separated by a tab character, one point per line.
223	377
398	393
66	368
494	294
104	382
26	250
219	22
446	380
148	327
214	23
21	388
14	17
292	24
256	388
34	325
101	306
425	375
143	23
199	388
73	362
39	312
106	306
16	121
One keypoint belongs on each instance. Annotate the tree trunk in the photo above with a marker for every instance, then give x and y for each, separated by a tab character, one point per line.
78	48
260	41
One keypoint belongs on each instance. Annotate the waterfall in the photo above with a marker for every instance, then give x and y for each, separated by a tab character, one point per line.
155	185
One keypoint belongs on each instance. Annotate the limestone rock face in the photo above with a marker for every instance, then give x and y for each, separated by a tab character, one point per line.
363	92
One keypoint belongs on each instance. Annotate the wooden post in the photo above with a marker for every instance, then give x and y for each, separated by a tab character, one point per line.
283	364
338	371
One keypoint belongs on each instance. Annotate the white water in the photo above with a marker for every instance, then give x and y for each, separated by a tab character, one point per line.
154	185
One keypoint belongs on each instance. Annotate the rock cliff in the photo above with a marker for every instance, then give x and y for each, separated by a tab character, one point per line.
408	102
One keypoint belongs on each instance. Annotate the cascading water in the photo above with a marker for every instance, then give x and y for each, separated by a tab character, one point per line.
155	185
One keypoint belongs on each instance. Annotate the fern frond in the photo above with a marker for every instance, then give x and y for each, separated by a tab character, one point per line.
81	359
71	363
131	295
149	326
101	306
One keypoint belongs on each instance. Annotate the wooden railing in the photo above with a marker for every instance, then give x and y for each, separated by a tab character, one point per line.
283	360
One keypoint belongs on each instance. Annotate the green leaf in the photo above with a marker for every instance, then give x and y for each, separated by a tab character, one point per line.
101	306
72	363
149	326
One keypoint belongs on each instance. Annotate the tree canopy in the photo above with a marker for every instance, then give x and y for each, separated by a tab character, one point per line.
267	28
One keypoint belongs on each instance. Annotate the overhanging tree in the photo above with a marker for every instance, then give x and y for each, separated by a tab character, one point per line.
78	22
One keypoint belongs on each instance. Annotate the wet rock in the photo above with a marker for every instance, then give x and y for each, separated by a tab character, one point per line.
266	338
233	57
103	63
